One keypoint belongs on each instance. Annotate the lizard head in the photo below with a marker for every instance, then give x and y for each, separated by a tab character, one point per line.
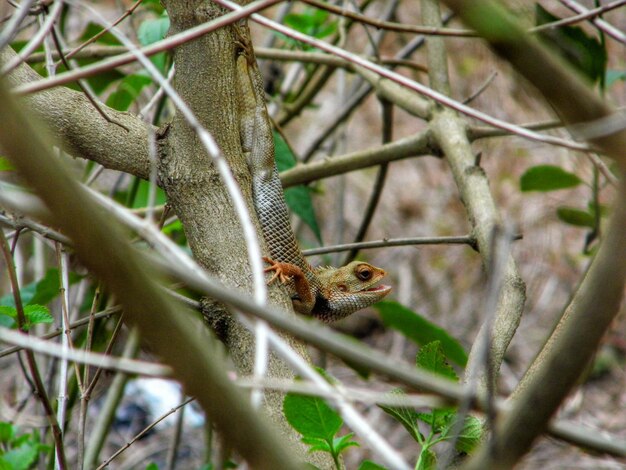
352	287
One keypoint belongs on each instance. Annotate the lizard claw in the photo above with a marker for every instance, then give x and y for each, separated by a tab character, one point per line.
279	271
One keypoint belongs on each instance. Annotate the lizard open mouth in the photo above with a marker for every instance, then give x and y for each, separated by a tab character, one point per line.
381	287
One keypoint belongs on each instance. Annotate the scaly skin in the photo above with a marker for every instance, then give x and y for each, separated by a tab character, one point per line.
326	293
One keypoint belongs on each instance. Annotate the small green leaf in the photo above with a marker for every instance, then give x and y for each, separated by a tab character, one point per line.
36	314
439	420
127	91
470	435
7	432
153	466
143	193
419	330
576	217
151	31
317	445
311	416
432	358
21	458
298	198
405	416
42	291
585	53
107	38
547	178
343	442
427	460
369	465
6	165
8	310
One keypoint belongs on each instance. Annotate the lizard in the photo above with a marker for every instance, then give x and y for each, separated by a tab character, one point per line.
326	293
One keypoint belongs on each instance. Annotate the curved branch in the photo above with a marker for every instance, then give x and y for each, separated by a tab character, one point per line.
79	126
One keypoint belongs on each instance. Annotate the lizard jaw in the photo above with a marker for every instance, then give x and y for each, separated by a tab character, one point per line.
379	288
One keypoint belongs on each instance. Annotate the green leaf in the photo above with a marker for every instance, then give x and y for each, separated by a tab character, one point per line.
4	465
342	443
585	53
42	291
419	330
143	192
36	314
317	445
311	416
127	91
405	416
439	420
427	460
107	38
432	358
7	432
154	5
8	310
6	165
547	178
153	466
470	435
576	217
22	457
298	198
151	31
369	465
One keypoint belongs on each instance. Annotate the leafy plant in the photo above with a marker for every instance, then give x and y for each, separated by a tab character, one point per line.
35	314
312	22
545	178
19	451
419	330
318	423
441	423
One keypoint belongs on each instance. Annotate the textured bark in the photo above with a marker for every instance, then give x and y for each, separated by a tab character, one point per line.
206	68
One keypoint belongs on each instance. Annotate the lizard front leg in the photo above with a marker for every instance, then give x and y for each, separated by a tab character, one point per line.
294	279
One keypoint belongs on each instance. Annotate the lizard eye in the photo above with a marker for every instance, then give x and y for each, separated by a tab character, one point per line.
364	273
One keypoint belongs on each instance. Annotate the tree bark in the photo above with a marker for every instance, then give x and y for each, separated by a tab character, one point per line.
206	68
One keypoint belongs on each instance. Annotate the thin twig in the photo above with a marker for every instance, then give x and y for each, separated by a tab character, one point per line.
32	364
602	25
105	30
130	366
390	25
387	242
379	184
36	40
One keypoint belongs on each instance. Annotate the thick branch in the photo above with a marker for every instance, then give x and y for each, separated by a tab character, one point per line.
451	133
421	144
558	366
82	130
